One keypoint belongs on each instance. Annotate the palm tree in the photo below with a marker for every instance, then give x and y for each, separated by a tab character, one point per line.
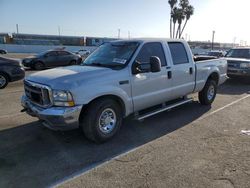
179	12
172	4
175	17
180	16
189	11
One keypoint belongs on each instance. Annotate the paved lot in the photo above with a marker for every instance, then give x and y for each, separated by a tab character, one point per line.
191	146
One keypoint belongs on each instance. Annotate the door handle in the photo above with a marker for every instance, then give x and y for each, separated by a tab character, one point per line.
191	70
169	74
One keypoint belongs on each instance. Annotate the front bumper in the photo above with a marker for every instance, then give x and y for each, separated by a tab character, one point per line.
17	74
56	118
239	72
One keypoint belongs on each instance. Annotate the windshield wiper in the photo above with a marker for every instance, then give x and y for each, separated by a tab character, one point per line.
111	65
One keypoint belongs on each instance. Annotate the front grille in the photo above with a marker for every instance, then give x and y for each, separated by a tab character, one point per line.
233	64
37	94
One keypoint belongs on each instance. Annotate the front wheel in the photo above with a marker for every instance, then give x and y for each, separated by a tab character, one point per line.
3	80
102	120
39	66
208	94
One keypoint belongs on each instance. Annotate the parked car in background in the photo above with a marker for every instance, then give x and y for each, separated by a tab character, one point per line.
238	60
141	77
2	51
52	58
83	53
216	53
10	70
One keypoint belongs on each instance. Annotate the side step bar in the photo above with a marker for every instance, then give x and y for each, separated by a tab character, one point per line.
164	108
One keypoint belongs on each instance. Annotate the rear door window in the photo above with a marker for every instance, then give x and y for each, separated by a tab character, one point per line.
62	53
178	52
54	53
151	49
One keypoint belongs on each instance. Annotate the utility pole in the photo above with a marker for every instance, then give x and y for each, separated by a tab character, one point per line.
213	40
234	44
128	34
17	29
59	31
119	33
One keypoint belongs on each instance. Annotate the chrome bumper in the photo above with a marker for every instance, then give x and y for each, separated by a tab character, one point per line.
56	118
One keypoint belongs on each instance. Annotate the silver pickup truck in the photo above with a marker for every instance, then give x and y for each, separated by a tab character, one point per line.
127	77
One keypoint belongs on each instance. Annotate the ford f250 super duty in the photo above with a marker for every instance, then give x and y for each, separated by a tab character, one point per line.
127	77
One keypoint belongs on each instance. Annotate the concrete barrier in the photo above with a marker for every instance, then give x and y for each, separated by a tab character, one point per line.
14	48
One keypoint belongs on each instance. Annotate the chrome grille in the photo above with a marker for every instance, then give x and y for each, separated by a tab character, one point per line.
233	64
38	94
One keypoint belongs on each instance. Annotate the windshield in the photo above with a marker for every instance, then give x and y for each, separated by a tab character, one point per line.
113	54
239	53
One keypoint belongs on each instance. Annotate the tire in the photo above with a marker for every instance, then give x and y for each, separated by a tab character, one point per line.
73	62
208	94
38	66
102	120
4	80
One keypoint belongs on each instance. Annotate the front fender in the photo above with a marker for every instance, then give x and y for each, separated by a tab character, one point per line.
91	93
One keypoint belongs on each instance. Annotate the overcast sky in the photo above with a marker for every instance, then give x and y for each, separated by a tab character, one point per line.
143	18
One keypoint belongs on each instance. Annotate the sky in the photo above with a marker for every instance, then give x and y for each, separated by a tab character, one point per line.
142	18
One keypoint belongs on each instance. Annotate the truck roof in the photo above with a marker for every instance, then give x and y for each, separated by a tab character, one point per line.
149	40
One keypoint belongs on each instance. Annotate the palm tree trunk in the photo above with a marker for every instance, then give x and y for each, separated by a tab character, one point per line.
184	26
170	27
173	31
178	30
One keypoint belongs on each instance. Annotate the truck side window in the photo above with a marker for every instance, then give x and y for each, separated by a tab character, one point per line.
178	52
151	49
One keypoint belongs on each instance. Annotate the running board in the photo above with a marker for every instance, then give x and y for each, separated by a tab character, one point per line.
164	108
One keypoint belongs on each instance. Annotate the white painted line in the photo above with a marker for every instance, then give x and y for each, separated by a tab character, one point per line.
222	108
102	163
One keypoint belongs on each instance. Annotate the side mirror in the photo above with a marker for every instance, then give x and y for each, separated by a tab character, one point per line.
155	64
140	67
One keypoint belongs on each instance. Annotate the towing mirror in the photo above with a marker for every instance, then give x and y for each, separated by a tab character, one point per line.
155	64
140	67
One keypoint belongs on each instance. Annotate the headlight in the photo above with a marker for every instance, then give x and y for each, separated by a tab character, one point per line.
245	65
27	60
62	98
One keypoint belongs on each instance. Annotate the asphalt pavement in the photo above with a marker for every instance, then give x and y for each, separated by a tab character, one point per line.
190	146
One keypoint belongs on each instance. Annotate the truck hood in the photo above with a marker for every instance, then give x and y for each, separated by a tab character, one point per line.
68	77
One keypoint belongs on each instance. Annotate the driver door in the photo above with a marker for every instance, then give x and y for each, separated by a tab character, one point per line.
149	89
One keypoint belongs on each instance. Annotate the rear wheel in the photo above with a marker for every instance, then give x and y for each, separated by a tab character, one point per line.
3	80
208	94
73	62
39	66
102	120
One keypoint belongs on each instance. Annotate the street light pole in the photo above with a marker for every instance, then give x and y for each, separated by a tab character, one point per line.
213	40
119	33
17	29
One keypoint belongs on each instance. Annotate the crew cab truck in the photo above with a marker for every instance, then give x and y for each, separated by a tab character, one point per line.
141	77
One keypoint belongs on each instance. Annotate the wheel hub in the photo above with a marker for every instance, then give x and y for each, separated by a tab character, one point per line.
2	81
210	93
107	121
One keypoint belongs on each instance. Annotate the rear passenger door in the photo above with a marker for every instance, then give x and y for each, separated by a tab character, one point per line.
149	89
183	70
64	58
